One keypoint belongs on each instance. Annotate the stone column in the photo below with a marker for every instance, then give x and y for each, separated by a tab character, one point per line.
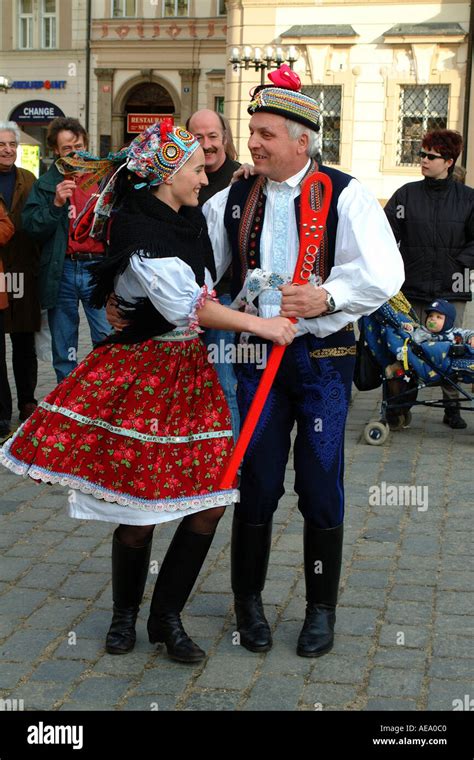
104	109
189	92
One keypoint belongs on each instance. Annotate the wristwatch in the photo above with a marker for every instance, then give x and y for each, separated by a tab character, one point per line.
330	304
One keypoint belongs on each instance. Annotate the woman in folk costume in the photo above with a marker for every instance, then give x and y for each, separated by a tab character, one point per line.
140	430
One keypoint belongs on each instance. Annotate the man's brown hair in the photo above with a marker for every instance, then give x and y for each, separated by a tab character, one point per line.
65	123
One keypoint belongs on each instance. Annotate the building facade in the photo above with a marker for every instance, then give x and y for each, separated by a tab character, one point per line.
43	53
383	71
154	59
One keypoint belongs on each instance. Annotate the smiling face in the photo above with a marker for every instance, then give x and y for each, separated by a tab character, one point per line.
67	143
182	189
435	321
274	153
8	150
207	128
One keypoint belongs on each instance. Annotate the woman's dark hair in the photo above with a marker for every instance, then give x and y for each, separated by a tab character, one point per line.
65	123
446	142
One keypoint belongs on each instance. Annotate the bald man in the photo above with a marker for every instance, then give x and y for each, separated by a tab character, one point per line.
209	128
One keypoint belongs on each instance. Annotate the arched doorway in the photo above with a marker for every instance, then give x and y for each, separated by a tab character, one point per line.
147	99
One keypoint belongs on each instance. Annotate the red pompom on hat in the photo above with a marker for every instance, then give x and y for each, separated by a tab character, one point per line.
286	78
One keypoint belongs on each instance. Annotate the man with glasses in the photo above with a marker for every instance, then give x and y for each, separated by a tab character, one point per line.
433	223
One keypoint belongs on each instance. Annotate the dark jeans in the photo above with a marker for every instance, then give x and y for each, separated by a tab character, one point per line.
25	370
312	389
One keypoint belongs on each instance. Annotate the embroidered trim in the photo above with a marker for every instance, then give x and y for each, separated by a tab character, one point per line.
198	304
179	333
215	499
249	213
133	433
251	224
325	353
258	280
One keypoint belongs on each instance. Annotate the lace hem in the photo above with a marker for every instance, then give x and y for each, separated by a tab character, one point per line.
215	499
204	294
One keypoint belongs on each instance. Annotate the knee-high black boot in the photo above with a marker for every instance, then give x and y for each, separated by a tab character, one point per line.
175	581
129	573
249	562
322	582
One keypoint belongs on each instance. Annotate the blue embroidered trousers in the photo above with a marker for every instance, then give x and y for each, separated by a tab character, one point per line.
312	389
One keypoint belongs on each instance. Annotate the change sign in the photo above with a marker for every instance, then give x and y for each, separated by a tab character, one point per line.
35	112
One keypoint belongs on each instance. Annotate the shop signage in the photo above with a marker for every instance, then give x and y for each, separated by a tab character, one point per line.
137	122
47	84
35	112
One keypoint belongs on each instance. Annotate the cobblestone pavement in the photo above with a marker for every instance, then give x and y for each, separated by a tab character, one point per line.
405	622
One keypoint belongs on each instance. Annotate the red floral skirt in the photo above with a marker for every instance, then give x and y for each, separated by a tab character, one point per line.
144	425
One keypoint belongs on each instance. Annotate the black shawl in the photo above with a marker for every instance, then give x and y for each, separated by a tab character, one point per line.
151	228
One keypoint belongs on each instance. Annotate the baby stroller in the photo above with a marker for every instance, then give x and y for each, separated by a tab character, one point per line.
383	338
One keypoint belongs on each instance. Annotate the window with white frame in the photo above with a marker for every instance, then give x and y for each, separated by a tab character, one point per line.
25	30
48	16
329	99
221	9
175	8
124	8
422	108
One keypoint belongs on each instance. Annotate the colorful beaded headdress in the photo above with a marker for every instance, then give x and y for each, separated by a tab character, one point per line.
158	152
285	99
155	156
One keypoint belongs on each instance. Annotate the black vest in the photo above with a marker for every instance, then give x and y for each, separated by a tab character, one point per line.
238	195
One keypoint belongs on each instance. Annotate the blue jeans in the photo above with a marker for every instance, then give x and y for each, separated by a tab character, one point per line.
225	370
64	318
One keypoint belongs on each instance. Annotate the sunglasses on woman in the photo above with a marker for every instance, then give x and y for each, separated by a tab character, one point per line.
431	156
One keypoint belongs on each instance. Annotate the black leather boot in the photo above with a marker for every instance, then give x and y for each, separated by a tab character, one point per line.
175	581
452	416
129	574
324	546
250	551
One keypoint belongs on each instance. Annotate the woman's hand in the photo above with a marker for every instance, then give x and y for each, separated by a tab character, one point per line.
277	329
113	315
243	172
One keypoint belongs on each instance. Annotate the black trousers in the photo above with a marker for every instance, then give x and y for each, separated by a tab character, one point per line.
25	370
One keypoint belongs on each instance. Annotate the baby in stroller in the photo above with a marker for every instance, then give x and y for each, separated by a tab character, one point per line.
433	354
439	326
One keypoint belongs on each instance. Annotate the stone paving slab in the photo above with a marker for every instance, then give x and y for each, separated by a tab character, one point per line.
405	622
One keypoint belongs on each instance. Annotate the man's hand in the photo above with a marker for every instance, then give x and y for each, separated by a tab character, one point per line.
243	172
113	315
64	191
303	301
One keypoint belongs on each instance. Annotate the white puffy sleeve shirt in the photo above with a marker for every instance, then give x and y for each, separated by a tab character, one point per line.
168	282
368	268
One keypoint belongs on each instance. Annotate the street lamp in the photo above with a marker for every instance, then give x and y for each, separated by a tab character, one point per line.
272	58
5	83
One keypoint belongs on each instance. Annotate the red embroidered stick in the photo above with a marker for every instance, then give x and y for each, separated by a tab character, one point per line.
312	224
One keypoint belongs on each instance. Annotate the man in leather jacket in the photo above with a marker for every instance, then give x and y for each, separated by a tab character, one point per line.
433	222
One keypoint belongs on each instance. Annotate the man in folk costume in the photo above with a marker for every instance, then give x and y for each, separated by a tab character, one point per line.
357	268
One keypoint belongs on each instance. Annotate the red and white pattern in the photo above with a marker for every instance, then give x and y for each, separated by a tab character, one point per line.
144	425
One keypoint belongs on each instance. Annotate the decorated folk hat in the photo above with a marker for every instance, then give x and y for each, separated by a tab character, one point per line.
158	152
154	156
284	98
